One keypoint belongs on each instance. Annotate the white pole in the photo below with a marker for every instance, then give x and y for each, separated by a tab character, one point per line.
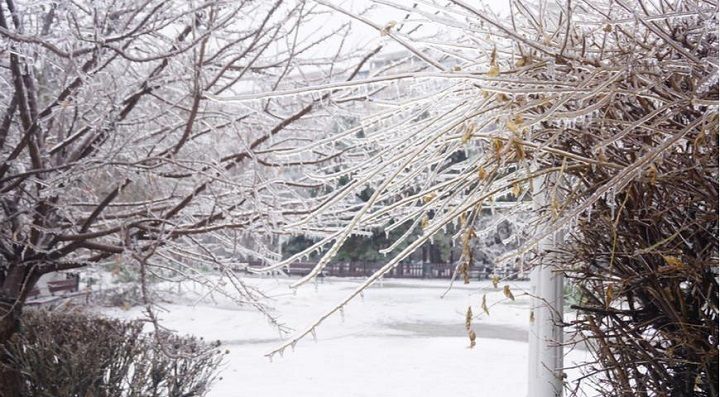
545	358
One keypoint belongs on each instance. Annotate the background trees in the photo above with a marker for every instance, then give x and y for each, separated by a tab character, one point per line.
112	151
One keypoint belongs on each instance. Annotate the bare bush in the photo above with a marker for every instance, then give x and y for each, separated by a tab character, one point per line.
70	353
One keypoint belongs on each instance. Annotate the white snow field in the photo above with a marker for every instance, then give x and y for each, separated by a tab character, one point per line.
400	339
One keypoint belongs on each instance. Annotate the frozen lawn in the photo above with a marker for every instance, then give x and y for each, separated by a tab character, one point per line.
401	339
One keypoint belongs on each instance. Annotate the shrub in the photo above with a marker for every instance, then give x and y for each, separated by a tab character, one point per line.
72	353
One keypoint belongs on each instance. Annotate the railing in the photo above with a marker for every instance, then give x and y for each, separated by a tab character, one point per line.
365	269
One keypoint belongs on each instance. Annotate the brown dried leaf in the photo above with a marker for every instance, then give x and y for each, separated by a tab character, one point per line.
519	149
484	305
468	134
482	173
468	317
495	280
517	189
609	295
508	294
494	71
652	174
497	146
472	336
673	261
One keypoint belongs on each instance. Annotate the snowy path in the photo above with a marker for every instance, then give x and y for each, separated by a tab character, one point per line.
401	339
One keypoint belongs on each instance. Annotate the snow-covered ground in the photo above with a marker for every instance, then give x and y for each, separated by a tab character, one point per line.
400	339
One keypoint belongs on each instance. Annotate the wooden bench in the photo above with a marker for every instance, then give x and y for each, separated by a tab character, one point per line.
69	285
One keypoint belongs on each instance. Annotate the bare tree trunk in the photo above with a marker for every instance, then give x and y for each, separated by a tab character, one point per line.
10	379
12	296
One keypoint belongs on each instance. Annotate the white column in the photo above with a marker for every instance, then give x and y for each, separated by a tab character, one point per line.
545	337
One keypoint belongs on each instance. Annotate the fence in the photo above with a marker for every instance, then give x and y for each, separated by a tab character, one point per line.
365	269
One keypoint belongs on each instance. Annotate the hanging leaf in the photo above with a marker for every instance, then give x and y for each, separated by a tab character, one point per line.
472	336
652	174
497	146
508	294
468	317
673	261
484	305
428	197
495	280
517	189
519	149
468	134
515	124
494	71
524	60
482	173
609	295
465	271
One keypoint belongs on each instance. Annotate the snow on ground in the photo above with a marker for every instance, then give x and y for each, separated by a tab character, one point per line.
400	339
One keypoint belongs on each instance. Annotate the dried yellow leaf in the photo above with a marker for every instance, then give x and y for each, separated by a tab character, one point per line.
497	146
468	317
484	305
465	269
469	131
469	234
502	97
519	149
494	71
508	294
482	173
472	336
424	222
609	295
495	280
652	174
428	197
517	189
673	261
